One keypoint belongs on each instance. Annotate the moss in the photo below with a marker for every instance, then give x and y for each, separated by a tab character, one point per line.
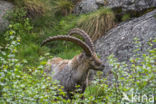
125	17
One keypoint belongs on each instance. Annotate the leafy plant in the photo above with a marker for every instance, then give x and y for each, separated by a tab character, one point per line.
18	85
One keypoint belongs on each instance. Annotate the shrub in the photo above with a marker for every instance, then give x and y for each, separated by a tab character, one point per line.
19	85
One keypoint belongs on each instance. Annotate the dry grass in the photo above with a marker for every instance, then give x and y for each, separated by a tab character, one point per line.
97	23
63	7
33	7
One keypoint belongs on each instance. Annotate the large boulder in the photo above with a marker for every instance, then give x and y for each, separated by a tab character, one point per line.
4	7
86	6
120	40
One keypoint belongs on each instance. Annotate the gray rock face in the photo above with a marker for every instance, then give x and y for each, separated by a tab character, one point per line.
100	2
4	7
126	5
120	40
86	6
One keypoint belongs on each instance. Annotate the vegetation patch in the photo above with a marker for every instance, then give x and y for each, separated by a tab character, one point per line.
97	23
33	7
63	7
31	85
125	17
22	60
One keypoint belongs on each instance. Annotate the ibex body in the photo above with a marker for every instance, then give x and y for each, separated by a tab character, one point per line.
75	71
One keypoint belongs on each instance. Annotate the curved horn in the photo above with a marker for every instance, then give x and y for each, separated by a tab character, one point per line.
86	37
82	44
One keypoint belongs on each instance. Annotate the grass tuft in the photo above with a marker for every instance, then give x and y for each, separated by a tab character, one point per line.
33	7
97	23
63	7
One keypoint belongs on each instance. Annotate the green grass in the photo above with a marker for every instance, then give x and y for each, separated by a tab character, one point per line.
42	29
95	90
30	52
46	26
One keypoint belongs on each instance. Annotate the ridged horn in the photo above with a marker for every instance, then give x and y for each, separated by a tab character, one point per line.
77	41
87	39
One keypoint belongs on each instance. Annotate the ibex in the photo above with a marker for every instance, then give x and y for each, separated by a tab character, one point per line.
75	71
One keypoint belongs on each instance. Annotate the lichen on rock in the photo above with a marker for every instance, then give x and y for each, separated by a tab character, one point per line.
4	8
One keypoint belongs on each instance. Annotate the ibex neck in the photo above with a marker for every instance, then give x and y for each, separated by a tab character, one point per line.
80	67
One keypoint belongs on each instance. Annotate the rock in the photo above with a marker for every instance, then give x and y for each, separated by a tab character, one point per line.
127	5
4	7
120	40
86	6
100	2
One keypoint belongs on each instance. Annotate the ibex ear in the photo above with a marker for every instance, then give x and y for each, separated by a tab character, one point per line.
83	54
86	54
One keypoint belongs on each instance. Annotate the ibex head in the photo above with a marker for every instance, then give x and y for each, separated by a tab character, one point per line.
94	62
